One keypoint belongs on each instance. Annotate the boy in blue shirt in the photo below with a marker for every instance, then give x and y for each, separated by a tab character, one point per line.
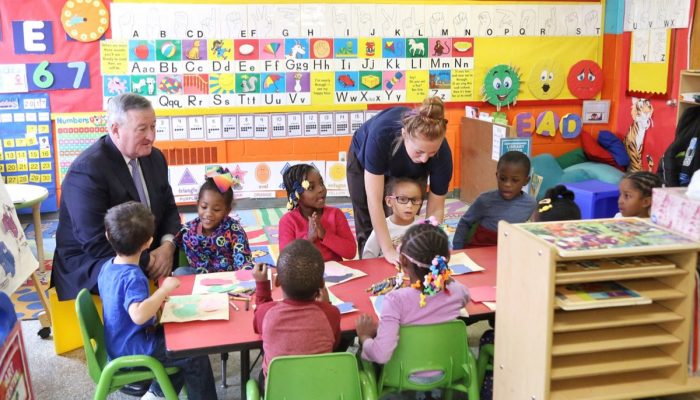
479	225
129	311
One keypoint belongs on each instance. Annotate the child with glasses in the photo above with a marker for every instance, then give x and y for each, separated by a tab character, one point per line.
479	225
404	198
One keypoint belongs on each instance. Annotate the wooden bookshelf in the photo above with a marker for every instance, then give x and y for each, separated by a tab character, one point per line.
544	352
689	82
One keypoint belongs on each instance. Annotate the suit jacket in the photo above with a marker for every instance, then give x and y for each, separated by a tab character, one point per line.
96	181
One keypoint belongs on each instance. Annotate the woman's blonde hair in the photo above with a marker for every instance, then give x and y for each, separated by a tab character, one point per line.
425	122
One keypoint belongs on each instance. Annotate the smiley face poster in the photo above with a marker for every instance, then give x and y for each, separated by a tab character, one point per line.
585	79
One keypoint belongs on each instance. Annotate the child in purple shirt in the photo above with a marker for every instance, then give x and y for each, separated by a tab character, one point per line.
426	301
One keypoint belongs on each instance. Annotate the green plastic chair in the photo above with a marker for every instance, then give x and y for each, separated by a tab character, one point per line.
108	376
321	376
182	260
435	347
484	362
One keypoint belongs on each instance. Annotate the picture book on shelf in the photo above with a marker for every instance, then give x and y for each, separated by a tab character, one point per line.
581	296
572	236
617	265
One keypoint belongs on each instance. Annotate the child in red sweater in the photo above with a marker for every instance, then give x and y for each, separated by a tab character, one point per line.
309	218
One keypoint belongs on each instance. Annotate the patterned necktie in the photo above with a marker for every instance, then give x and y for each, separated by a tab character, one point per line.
138	182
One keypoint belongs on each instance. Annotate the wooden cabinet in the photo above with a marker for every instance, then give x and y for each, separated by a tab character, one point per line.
478	168
544	352
690	83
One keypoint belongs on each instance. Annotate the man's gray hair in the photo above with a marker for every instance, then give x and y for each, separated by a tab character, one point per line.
118	106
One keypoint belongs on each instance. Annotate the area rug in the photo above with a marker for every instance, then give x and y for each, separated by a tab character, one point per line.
261	226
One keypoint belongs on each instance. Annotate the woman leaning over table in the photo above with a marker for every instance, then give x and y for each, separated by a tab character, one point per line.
397	142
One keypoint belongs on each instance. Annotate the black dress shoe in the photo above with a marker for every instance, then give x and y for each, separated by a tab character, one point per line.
136	389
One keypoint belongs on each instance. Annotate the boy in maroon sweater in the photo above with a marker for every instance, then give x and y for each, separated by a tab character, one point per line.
304	322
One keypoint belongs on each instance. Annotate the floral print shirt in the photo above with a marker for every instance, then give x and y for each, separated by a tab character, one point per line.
226	249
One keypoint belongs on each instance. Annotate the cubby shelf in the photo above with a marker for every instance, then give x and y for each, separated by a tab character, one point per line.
634	351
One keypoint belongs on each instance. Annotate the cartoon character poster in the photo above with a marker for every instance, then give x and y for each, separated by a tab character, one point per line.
501	86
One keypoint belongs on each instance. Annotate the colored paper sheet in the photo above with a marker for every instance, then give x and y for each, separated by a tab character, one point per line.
221	282
343	307
196	308
336	273
480	294
377	302
461	263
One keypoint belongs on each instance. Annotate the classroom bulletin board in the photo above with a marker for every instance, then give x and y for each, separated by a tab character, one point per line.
333	56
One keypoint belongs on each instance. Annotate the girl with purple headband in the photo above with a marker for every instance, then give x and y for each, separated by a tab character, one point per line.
214	242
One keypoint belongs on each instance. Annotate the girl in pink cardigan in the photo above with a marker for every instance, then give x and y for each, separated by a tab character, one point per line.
309	218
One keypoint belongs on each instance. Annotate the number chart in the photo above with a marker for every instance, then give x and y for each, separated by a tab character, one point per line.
26	143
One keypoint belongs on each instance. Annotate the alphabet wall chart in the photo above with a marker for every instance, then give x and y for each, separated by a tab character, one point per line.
200	56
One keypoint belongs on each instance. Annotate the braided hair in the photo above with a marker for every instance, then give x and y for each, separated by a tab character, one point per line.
644	181
426	249
557	205
292	179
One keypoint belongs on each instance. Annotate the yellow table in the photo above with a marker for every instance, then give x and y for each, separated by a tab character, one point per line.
24	196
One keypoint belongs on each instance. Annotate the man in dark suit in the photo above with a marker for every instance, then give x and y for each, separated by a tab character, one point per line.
100	178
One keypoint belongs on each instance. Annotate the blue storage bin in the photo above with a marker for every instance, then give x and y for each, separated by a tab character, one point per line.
596	199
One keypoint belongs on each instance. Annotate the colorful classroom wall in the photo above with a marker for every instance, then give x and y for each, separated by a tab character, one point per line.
256	86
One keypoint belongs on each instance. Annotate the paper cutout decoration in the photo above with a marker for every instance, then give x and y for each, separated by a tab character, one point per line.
461	263
501	86
195	308
33	37
85	21
634	140
547	123
524	124
546	80
336	272
585	79
570	126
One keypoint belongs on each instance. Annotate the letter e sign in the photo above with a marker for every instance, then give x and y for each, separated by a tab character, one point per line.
33	37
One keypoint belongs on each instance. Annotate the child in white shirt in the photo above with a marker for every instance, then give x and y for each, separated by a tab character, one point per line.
404	197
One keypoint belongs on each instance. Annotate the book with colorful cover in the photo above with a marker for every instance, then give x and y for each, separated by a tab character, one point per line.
582	296
620	264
